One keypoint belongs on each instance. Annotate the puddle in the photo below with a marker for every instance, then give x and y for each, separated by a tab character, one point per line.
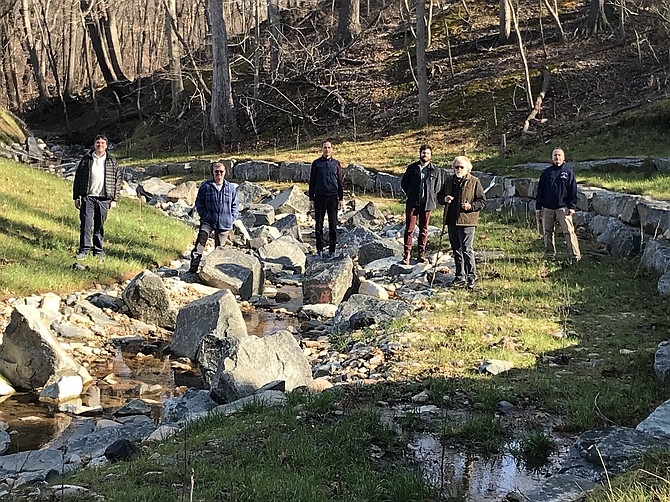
478	478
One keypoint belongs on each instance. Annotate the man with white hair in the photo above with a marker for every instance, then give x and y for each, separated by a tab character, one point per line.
463	197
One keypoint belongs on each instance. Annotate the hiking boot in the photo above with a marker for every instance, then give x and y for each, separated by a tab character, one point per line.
422	258
405	260
81	255
458	283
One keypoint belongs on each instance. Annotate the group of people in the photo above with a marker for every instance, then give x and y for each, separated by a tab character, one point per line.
98	181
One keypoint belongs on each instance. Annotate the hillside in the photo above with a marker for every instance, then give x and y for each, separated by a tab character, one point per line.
606	94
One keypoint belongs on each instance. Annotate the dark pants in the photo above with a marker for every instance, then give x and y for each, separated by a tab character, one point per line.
325	204
92	216
411	215
205	230
461	239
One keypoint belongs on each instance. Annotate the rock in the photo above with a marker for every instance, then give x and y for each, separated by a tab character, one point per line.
66	387
289	225
269	398
290	201
378	249
319	385
192	403
185	191
255	362
30	356
360	311
657	424
654	216
285	251
297	172
5	388
656	255
50	303
323	311
250	193
618	205
32	466
373	289
662	361
230	269
134	407
495	366
663	286
255	170
5	442
154	186
368	216
206	328
256	215
147	299
328	281
121	449
621	240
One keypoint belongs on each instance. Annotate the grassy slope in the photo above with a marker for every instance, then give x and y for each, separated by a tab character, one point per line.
39	229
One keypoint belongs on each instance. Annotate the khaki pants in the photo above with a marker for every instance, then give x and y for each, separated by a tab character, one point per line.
549	219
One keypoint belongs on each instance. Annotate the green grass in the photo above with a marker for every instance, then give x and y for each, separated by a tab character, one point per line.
39	234
308	451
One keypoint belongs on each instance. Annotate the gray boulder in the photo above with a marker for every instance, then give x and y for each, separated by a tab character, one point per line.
255	170
257	361
360	311
621	240
327	281
377	249
228	268
285	251
290	201
663	286
147	299
256	215
186	191
30	356
288	225
193	403
250	193
154	187
618	205
369	216
297	172
216	315
656	255
654	216
657	424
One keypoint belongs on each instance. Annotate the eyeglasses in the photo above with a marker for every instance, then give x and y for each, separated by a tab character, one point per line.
219	172
459	167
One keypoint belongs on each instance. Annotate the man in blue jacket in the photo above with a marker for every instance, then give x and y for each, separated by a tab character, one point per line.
326	193
557	201
217	206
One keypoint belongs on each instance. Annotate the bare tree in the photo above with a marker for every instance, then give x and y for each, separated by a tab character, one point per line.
553	11
174	56
34	48
596	21
275	34
421	68
222	120
505	22
349	23
104	38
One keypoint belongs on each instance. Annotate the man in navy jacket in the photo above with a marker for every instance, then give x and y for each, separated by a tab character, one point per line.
557	201
217	206
326	192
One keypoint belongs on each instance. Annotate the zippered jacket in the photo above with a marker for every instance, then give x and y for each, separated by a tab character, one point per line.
411	185
217	207
113	177
325	178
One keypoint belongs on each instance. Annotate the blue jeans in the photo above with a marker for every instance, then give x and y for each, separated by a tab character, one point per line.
92	216
461	239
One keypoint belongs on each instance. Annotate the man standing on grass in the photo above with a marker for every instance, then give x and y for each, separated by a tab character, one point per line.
463	197
217	206
557	201
420	183
326	193
97	186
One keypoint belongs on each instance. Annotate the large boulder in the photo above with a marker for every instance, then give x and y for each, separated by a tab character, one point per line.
154	187
360	311
285	251
297	172
147	299
618	205
288	224
228	268
654	216
255	170
186	191
621	240
328	281
257	361
255	215
656	255
250	193
369	216
290	201
30	355
205	328
377	249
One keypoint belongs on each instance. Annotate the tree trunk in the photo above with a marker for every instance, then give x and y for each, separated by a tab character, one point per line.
111	32
553	11
421	70
274	27
222	120
174	56
505	22
33	50
70	68
596	21
349	23
95	33
7	39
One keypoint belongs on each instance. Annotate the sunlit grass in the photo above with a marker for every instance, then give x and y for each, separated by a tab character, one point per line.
39	229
